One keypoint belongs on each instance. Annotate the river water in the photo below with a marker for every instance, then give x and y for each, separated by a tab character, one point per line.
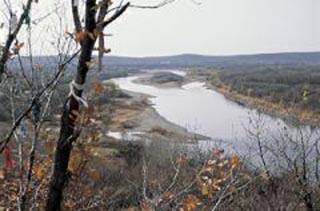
199	109
229	124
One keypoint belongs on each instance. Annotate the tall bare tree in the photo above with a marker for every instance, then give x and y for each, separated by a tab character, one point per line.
95	14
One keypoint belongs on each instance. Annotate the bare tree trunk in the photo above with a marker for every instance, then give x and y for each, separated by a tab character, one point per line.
67	131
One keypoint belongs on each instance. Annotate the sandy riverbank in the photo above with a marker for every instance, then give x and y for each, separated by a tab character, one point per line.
136	115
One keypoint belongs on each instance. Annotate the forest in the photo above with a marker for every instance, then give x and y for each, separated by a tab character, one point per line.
291	85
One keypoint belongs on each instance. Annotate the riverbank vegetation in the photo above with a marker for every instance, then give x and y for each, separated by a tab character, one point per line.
288	90
161	79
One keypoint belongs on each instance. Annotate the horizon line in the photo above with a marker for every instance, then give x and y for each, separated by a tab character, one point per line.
198	54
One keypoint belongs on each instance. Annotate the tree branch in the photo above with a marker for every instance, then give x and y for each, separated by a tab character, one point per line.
161	4
117	14
11	37
76	17
16	124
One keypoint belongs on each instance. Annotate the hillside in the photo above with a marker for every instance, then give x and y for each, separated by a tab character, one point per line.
186	60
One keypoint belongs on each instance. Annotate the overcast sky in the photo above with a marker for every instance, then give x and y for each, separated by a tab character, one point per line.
216	27
220	27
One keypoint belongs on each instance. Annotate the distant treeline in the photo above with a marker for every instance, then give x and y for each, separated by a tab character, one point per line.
291	85
182	61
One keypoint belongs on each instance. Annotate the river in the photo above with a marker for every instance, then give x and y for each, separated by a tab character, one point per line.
199	109
208	112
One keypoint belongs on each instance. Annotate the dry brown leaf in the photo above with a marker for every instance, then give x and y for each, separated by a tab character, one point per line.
79	36
190	203
39	171
235	161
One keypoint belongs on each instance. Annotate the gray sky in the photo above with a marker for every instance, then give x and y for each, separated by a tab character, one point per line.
220	27
215	27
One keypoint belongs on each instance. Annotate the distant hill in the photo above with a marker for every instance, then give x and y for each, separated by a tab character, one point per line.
186	60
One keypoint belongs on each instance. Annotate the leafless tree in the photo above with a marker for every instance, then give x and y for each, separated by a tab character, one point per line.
287	154
98	15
